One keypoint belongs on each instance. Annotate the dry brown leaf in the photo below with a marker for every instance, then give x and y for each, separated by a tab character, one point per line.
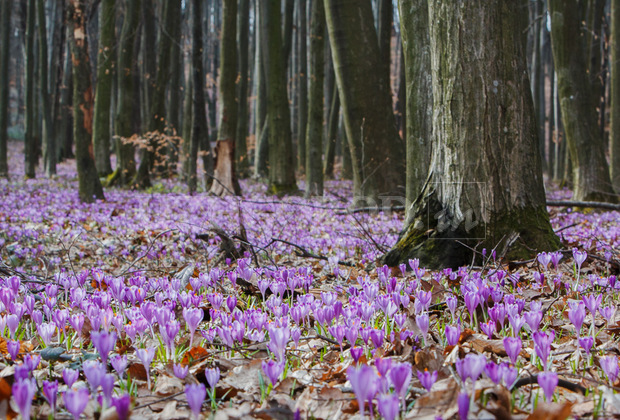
137	371
195	354
551	411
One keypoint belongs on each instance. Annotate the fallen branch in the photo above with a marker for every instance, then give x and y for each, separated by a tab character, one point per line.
304	253
533	380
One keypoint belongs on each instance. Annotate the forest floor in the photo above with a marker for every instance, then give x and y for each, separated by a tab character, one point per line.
160	304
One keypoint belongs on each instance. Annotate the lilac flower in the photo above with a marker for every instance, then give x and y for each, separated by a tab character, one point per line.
356	353
576	314
463	405
493	372
121	404
278	339
104	342
548	381
542	344
46	331
471	366
213	376
50	392
472	299
146	357
488	328
70	376
532	319
383	365
427	379
579	257
107	386
453	334
273	370
179	370
119	363
12	321
193	317
516	322
513	347
555	258
544	259
364	383
94	372
388	406
422	321
609	364
377	337
195	394
451	302
608	312
586	343
337	331
75	401
13	348
400	376
509	375
593	302
23	393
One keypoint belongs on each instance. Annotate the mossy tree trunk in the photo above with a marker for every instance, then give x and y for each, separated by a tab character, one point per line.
225	179
241	150
314	134
30	140
366	104
106	62
199	118
128	102
89	184
591	181
419	93
614	134
485	185
5	44
281	170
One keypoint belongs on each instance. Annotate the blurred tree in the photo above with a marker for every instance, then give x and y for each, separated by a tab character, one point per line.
30	141
5	36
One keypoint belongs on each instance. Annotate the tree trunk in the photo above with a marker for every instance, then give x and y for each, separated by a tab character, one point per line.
614	132
242	161
385	19
287	30
64	139
106	59
281	170
589	167
366	105
48	138
225	179
199	117
188	103
5	42
485	185
303	84
419	104
314	136
177	67
89	185
332	134
261	148
128	101
30	147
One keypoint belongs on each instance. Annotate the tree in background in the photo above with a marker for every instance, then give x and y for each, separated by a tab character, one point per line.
591	181
242	161
366	103
5	31
485	186
106	61
30	141
614	134
89	185
225	179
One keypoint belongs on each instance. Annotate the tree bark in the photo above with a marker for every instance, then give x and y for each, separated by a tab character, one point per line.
106	63
89	186
314	135
281	170
366	105
242	161
591	181
614	132
225	179
5	42
419	104
303	84
332	134
485	185
261	149
177	67
385	19
128	102
48	138
30	146
64	139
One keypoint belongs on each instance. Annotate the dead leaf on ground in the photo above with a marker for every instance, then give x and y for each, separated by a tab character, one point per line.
546	411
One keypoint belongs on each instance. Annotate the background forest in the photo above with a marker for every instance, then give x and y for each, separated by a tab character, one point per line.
309	209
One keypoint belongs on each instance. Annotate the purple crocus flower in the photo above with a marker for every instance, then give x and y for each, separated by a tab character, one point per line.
586	343
492	371
46	331
23	393
195	394
609	364
193	317
453	334
532	319
472	299
273	370
104	342
509	374
451	302
278	339
579	256
427	379
121	404
13	348
180	371
76	401
146	357
94	372
119	363
593	302
555	258
213	376
50	392
383	366
463	405
400	376
356	353
107	386
423	322
376	336
513	348
488	328
544	259
364	383
388	406
608	313
576	314
548	381
70	376
471	366
337	331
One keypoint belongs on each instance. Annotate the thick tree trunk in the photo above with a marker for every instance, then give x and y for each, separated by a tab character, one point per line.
30	147
177	67
187	123
106	60
89	185
242	161
332	134
366	105
302	98
281	170
48	138
128	102
419	104
485	186
385	20
199	119
314	136
589	167
64	138
614	133
225	179
261	149
5	32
